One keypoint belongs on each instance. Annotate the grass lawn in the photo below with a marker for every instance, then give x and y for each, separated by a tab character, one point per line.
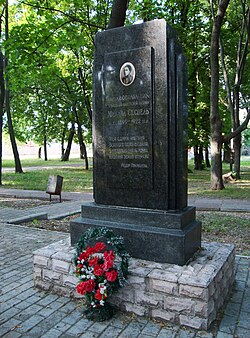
76	178
199	183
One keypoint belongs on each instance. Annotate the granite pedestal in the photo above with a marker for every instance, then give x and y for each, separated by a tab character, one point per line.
156	235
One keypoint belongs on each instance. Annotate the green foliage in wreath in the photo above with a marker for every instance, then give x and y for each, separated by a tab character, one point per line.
102	266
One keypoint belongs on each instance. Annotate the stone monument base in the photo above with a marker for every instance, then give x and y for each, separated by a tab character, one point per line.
189	295
155	235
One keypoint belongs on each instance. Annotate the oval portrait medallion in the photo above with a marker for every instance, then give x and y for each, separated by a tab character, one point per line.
127	73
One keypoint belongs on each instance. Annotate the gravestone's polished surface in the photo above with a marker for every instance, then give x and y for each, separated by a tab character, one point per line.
140	130
140	144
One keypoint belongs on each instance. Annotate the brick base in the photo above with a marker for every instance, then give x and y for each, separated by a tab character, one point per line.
189	295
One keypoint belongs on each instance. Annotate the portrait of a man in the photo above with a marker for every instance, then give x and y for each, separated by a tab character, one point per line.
127	74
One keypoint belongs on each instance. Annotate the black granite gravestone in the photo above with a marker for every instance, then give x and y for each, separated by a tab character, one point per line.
140	144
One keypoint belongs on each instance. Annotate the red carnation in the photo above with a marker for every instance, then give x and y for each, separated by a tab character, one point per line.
112	275
93	261
81	288
99	246
100	296
107	265
109	255
84	287
90	285
98	271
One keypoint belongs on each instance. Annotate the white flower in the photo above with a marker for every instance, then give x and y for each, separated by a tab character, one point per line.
82	269
88	276
82	261
83	276
102	302
92	277
102	291
78	261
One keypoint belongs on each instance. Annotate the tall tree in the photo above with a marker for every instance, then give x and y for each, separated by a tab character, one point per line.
235	81
118	13
2	94
18	166
215	120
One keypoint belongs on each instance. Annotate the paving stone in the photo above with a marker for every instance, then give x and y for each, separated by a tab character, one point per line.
129	332
63	327
28	312
133	329
29	323
68	308
239	285
72	318
52	333
233	309
38	330
224	335
112	332
204	334
99	327
246	306
244	320
237	296
241	332
9	326
12	334
89	335
7	315
151	329
79	327
185	334
228	324
23	305
166	333
47	299
120	321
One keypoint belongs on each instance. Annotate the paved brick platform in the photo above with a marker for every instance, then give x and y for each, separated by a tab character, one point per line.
189	295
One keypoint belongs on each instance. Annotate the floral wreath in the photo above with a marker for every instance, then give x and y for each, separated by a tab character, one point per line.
101	271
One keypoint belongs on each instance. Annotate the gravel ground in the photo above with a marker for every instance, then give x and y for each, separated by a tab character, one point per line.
226	227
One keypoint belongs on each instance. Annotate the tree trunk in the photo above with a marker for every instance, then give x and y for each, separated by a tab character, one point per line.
198	158
234	96
215	122
208	165
45	147
118	13
70	140
2	94
83	150
40	152
237	155
227	152
62	142
18	166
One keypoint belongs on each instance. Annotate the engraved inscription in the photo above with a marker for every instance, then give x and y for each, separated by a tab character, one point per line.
128	122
